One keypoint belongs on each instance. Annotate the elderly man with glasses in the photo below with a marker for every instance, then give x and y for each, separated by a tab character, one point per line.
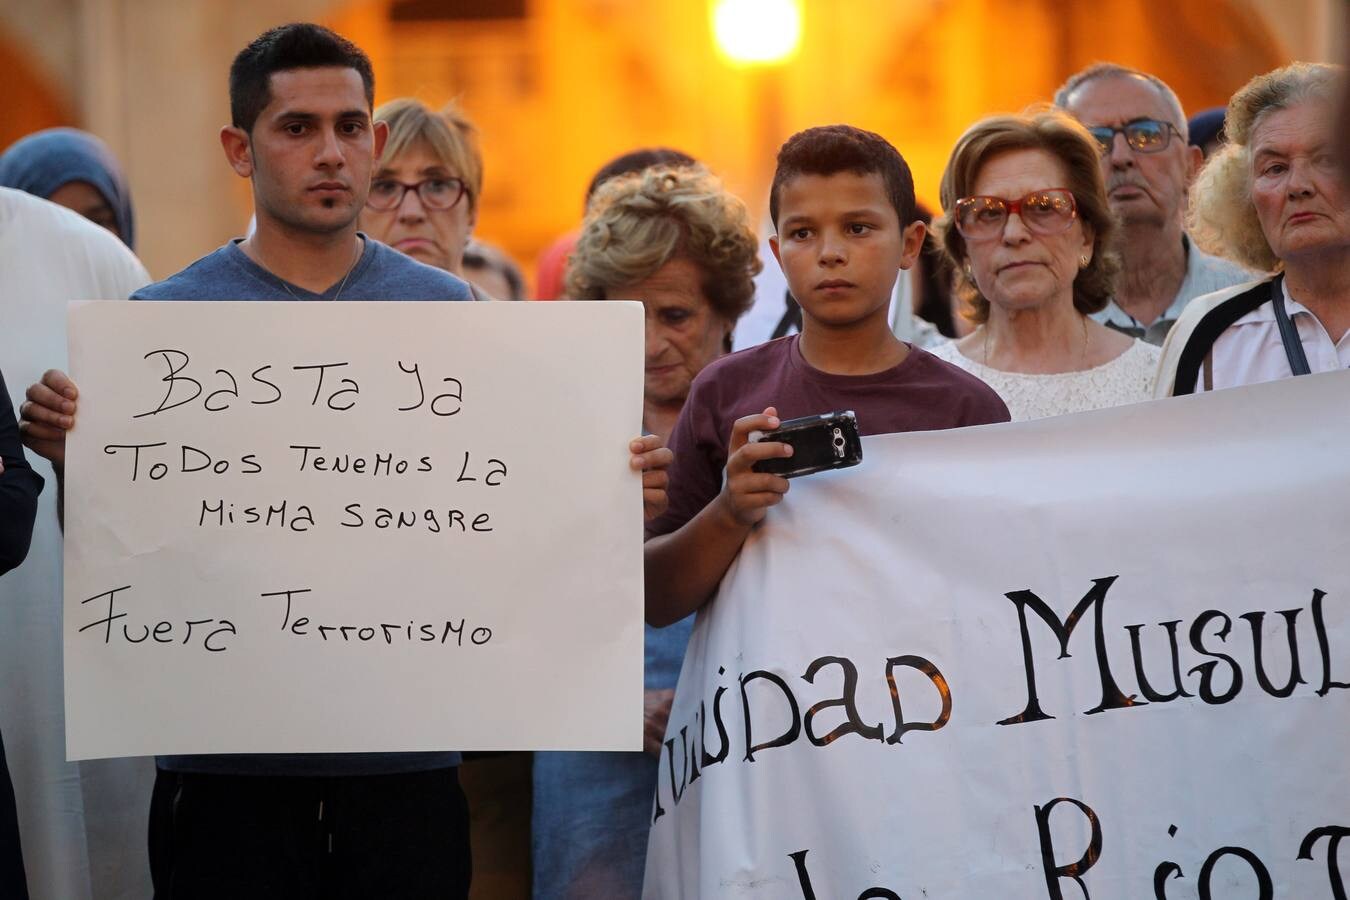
1148	166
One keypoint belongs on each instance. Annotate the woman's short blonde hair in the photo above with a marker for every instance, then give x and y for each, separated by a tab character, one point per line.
1222	218
637	223
449	135
1064	138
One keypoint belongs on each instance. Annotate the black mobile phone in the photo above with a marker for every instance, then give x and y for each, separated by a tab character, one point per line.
826	441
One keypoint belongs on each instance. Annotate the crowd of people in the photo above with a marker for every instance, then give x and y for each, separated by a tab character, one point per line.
1086	256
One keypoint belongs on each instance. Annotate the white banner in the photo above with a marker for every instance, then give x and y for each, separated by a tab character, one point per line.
301	527
1111	648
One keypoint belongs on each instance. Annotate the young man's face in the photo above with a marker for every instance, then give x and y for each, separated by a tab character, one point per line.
841	246
311	150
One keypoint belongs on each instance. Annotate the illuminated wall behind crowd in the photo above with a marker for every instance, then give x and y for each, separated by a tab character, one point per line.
559	86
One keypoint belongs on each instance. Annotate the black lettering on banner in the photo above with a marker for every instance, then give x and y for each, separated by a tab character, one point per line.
1324	644
1075	870
172	380
1265	887
783	739
803	876
1112	696
1164	871
1333	834
848	700
1206	670
939	682
1256	619
1144	687
809	893
723	739
675	792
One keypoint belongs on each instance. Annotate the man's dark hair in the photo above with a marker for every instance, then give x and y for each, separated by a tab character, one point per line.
637	161
300	45
830	149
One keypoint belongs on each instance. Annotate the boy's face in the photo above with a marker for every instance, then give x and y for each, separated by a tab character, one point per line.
841	246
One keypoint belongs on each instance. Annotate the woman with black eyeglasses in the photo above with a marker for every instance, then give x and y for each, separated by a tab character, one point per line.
1028	228
423	198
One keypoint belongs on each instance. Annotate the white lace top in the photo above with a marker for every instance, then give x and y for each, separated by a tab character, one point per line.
1126	379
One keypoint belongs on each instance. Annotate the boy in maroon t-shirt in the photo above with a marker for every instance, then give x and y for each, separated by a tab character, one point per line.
843	203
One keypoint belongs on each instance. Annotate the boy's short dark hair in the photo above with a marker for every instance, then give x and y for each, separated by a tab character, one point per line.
300	45
830	149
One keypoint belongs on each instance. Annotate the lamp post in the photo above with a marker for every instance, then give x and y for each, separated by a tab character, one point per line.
760	36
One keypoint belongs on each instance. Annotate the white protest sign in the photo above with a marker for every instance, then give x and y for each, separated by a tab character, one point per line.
876	704
308	527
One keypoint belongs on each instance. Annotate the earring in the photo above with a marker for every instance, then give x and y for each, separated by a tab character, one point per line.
1083	261
970	274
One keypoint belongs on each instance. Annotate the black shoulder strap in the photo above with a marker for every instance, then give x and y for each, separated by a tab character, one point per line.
1293	344
1207	331
792	317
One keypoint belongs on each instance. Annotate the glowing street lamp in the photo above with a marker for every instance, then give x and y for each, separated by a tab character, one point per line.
757	32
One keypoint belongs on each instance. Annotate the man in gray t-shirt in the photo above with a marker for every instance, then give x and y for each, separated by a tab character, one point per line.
296	826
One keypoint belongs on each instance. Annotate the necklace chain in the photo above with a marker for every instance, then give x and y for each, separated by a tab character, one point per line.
986	329
341	285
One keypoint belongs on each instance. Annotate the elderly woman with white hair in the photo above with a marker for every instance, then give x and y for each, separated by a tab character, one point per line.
1274	200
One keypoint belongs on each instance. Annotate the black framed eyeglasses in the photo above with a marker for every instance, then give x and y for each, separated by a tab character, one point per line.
1142	135
435	193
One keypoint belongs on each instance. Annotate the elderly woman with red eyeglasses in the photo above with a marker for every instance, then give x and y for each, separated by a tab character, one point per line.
1028	229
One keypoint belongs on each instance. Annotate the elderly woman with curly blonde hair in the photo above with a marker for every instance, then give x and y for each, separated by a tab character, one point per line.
673	238
1272	199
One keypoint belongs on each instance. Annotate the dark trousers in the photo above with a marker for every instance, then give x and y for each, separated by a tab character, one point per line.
12	882
300	838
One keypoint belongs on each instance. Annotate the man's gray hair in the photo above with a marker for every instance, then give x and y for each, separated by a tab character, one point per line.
1097	71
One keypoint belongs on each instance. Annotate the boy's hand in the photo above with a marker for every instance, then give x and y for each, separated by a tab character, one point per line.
747	495
46	416
651	457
